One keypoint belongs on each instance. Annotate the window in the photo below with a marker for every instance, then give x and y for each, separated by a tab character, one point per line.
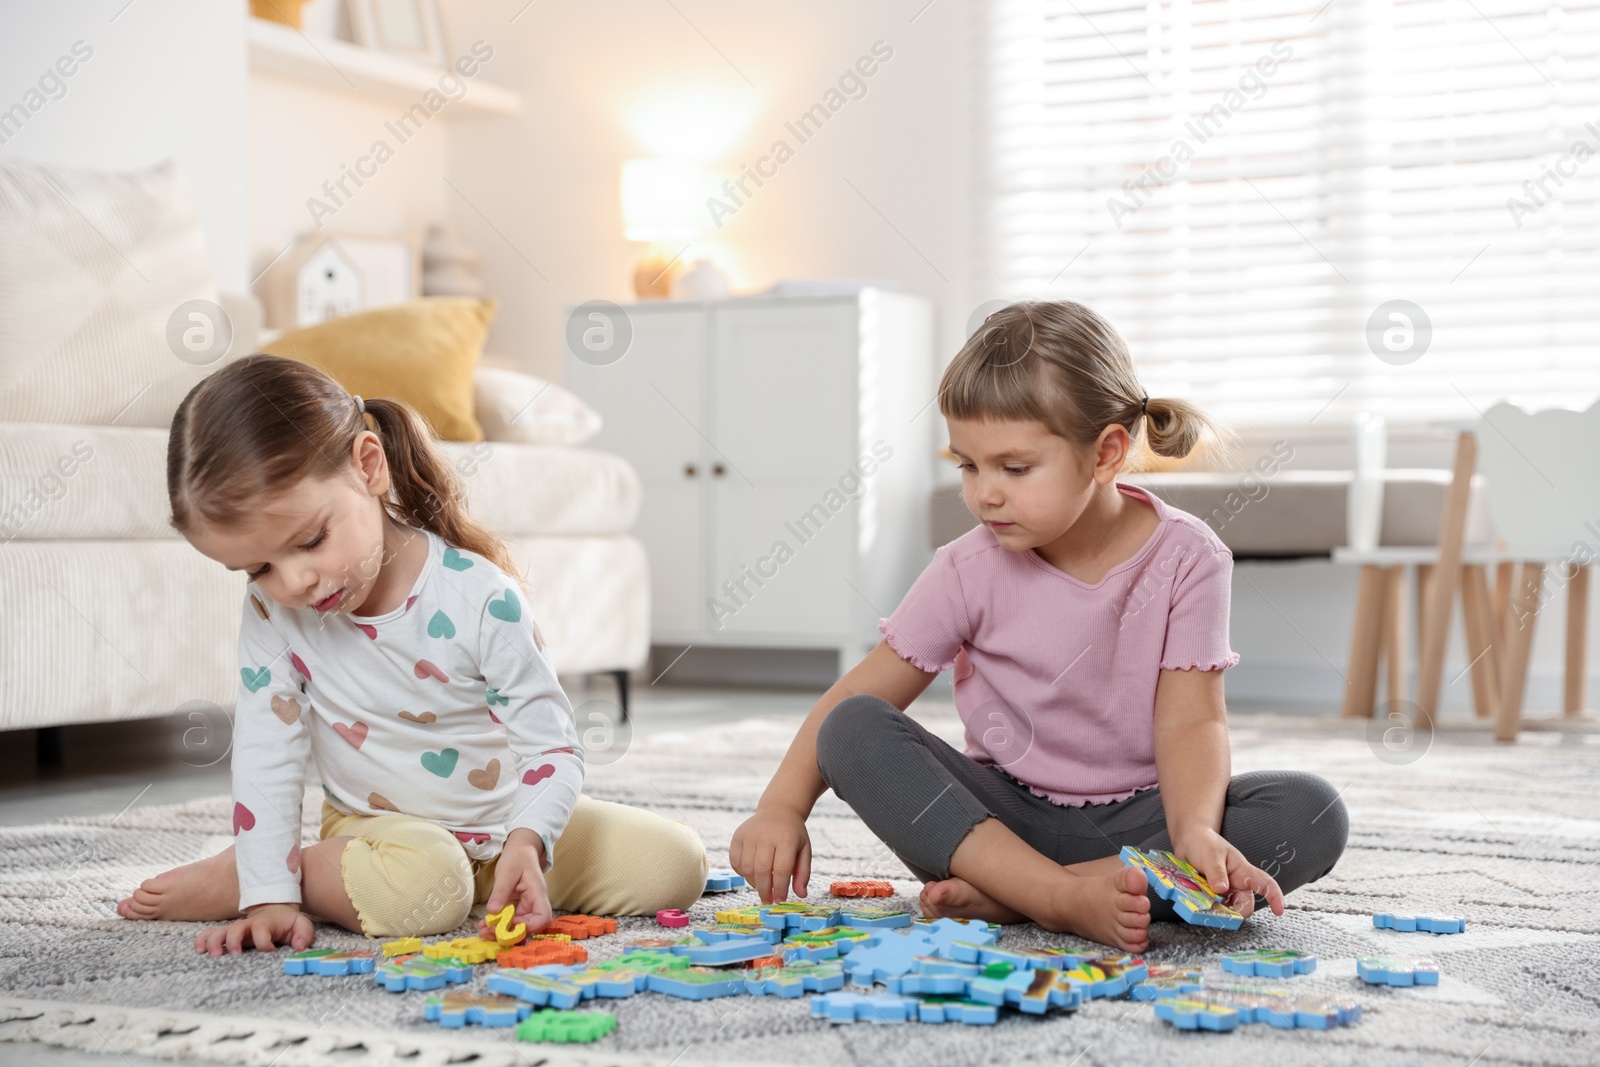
1247	186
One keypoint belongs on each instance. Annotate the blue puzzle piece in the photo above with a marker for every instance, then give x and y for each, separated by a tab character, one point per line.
869	918
329	962
829	943
987	953
889	955
1171	878
956	1010
1432	924
1165	981
1278	1007
544	990
946	932
1397	970
722	880
1109	975
793	979
731	950
697	983
419	973
1196	1015
924	981
1269	963
724	931
1044	989
853	1007
455	1010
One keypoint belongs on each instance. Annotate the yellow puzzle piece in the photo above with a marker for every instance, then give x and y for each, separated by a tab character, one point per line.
465	949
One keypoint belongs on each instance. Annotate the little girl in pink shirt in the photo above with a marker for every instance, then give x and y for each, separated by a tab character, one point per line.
1086	623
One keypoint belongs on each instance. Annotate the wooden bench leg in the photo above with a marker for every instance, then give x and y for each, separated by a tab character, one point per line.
1424	589
1522	611
1394	633
1572	697
1503	575
1361	680
1482	650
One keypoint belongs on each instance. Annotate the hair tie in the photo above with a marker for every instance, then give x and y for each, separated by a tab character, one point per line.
361	405
1143	404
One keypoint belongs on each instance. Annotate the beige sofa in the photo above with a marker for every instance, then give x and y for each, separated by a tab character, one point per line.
105	613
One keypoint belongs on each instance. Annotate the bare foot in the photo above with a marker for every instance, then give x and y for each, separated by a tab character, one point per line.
205	891
1110	908
959	899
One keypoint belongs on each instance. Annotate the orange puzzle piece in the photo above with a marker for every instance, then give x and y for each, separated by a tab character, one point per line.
861	889
539	953
581	926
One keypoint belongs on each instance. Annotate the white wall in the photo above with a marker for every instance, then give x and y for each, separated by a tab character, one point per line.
164	79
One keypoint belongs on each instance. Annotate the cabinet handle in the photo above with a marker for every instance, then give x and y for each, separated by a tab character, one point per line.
718	469
689	470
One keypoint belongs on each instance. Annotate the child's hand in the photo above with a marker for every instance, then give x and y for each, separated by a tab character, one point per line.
519	880
768	848
266	926
1230	874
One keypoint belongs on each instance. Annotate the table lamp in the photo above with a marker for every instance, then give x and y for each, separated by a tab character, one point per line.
663	202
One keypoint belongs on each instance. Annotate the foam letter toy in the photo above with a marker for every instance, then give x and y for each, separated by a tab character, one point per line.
405	946
538	953
861	889
500	922
1176	880
455	1010
467	949
579	927
672	917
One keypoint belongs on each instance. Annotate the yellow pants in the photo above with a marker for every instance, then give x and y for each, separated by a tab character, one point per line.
409	877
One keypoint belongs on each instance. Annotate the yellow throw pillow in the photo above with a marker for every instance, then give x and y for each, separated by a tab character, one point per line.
423	352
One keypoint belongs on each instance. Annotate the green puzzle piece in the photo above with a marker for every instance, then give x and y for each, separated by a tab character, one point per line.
566	1026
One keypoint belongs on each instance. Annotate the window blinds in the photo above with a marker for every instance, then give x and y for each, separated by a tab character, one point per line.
1295	211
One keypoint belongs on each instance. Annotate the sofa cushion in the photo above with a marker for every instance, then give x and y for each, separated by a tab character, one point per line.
95	267
109	483
513	406
423	352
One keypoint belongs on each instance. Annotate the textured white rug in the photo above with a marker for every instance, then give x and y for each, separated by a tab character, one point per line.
1508	836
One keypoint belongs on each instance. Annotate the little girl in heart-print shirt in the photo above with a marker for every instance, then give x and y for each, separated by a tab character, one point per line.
445	708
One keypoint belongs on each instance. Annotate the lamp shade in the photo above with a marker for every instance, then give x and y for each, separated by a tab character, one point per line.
662	199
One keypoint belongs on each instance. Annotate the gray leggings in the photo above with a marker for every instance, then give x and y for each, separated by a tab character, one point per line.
921	797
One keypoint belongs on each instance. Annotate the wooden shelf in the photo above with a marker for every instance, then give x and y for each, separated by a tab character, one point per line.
329	63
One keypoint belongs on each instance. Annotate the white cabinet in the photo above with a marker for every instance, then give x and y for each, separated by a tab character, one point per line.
786	449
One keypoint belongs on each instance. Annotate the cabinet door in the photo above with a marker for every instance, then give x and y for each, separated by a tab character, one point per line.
652	401
782	383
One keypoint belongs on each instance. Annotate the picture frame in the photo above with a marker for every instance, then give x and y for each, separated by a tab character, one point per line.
411	29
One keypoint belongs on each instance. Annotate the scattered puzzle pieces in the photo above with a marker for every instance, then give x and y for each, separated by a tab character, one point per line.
853	1007
1176	880
416	972
505	934
566	1027
455	1010
1397	970
722	880
1269	963
328	962
539	953
672	917
1432	924
793	979
580	927
861	889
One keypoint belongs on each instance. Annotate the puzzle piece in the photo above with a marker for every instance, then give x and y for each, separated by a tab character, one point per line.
861	889
1176	880
853	1007
947	931
797	915
505	934
538	953
328	962
1020	958
1033	992
580	927
646	960
672	917
1188	1014
747	916
405	946
889	955
767	961
1397	970
723	880
1278	1007
697	983
1109	975
794	979
416	972
566	1027
537	986
726	951
873	918
1432	924
657	944
455	1010
1166	981
1269	963
828	943
467	949
937	976
956	1010
723	931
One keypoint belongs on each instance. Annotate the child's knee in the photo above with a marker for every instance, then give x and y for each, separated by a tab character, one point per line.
1329	821
682	870
410	885
845	737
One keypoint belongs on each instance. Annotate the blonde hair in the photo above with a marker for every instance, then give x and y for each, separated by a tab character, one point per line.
259	426
1064	365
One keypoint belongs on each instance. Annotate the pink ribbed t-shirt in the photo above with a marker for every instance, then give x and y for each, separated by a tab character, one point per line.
1055	679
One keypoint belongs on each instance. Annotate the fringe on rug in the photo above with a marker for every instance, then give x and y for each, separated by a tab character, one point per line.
255	1042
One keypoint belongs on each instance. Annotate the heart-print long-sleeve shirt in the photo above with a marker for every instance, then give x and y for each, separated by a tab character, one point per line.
444	708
